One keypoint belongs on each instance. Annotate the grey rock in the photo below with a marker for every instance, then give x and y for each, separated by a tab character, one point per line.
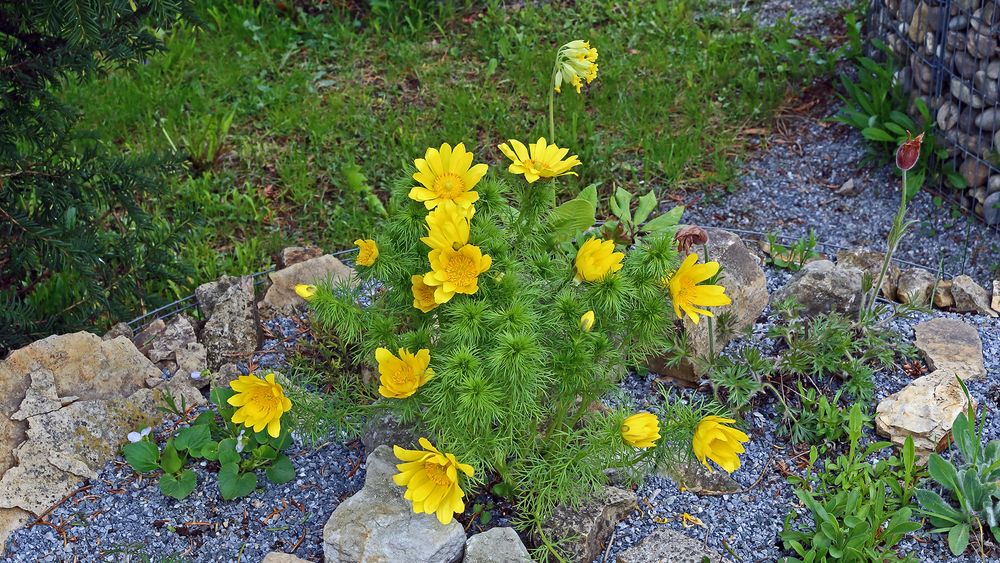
230	333
951	345
385	429
224	375
965	66
745	284
822	287
974	172
923	410
670	546
991	208
915	286
980	45
208	294
943	297
281	298
192	359
694	477
177	334
987	88
984	19
964	93
958	23
870	262
120	329
496	545
971	297
919	23
993	186
378	524
993	70
947	116
995	303
294	254
585	529
144	338
989	119
278	557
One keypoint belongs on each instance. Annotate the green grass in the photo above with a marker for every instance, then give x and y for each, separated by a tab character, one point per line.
327	109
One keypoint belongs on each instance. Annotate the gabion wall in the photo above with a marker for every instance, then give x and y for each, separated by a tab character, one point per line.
949	55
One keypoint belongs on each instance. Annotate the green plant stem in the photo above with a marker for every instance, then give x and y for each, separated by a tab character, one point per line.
552	101
545	540
895	235
711	324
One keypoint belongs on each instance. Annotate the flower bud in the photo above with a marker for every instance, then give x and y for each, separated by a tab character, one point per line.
689	236
908	153
587	321
305	291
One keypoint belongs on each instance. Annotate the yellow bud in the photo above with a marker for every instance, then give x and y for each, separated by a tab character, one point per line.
587	321
305	291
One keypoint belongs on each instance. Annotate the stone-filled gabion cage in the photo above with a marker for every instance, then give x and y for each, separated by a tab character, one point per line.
948	54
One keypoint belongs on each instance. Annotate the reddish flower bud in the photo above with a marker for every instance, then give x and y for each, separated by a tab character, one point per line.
909	152
690	236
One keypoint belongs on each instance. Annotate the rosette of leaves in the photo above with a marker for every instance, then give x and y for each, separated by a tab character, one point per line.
970	480
212	436
517	382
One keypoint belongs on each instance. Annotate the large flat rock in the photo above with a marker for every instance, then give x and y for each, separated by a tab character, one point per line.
951	345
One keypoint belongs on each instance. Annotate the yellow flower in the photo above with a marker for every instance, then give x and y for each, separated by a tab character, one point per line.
261	403
401	376
641	430
431	480
305	291
575	62
456	271
423	294
715	441
448	226
538	160
587	321
367	252
447	175
687	295
596	259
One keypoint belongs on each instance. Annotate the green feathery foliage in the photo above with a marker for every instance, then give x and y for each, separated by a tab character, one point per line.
517	380
76	244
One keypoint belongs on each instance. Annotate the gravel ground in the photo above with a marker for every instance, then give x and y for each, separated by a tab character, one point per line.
748	523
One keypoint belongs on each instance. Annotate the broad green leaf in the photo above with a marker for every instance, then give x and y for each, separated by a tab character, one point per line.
281	471
193	438
668	220
571	219
876	134
621	204
227	452
143	456
590	194
958	539
942	471
179	486
647	204
265	452
220	396
210	451
233	484
170	461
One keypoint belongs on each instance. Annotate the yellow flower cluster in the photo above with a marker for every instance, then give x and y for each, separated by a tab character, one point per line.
575	62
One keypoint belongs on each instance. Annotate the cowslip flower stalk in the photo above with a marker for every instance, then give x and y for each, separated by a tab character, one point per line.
576	61
907	156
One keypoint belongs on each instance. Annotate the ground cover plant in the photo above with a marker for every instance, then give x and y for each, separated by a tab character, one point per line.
291	118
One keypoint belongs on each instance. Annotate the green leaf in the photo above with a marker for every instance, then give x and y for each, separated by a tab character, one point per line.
210	451
590	194
233	484
958	539
265	452
570	219
179	486
227	452
281	442
143	456
875	134
192	438
220	396
942	471
281	471
647	204
170	461
666	221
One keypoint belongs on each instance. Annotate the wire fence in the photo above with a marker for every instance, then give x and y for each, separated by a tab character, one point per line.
948	56
190	302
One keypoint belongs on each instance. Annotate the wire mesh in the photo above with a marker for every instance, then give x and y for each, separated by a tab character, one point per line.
948	56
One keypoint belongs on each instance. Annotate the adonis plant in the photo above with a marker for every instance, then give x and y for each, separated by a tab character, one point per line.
498	318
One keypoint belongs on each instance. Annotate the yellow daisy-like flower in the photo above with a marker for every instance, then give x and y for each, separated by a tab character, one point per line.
688	296
261	403
423	294
538	160
448	226
641	430
431	480
447	174
587	321
305	291
367	252
596	259
456	271
575	62
715	441
401	376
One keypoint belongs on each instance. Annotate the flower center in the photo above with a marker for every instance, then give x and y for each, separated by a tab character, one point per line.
461	270
402	375
449	185
437	473
264	400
